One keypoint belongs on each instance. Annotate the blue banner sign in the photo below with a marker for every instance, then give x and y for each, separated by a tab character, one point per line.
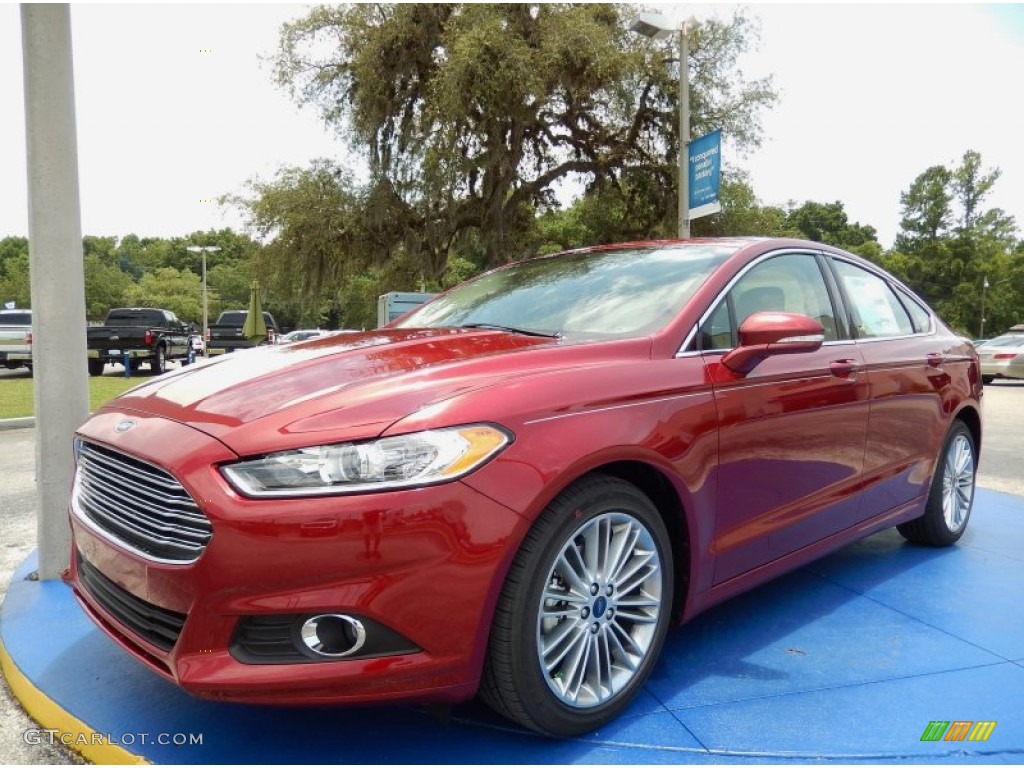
705	174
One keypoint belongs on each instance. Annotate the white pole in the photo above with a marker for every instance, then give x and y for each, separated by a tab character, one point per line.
204	249
206	340
684	132
55	268
984	288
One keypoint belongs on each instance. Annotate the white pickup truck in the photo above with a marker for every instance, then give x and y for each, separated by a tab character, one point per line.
16	338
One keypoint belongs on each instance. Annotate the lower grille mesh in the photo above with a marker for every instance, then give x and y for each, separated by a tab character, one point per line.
159	626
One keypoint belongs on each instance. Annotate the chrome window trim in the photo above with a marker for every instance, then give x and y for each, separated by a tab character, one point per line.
872	339
723	350
867	266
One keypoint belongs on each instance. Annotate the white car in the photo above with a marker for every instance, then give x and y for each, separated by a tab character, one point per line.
15	338
302	335
1003	356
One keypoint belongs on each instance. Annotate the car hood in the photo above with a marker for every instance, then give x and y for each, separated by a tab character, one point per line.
351	385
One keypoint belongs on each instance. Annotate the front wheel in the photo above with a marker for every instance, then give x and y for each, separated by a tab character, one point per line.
584	610
95	367
952	493
987	379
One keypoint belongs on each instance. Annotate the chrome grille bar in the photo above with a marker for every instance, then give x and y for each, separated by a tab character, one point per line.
111	472
138	505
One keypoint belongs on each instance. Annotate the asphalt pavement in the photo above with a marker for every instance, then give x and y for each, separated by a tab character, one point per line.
999	470
1002	441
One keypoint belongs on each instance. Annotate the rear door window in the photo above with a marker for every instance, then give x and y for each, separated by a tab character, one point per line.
875	310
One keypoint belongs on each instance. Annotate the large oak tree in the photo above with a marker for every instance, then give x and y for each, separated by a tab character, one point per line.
470	115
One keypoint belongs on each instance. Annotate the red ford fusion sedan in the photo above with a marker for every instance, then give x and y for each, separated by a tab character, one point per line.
518	487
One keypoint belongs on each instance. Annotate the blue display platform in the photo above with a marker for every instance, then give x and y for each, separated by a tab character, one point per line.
848	660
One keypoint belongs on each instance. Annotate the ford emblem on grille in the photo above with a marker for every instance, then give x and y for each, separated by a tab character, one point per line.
124	426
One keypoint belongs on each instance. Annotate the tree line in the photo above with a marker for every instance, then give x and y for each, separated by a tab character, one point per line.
147	272
474	120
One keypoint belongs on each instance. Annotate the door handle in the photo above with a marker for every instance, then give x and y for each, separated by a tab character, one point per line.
843	368
935	359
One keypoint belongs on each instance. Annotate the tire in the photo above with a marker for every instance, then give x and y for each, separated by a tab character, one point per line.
532	673
95	367
987	379
948	509
158	365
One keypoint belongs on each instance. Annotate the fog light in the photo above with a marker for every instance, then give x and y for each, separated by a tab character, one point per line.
333	634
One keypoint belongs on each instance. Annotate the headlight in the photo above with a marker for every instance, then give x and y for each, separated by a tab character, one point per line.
421	458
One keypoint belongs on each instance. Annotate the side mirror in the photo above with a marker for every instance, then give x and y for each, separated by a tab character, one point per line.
765	334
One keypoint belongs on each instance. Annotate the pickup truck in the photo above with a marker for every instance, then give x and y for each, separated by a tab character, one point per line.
226	333
143	334
16	338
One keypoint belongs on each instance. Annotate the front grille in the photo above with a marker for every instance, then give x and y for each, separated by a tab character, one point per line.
158	625
139	505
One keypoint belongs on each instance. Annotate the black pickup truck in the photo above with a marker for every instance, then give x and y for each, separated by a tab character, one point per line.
226	333
143	334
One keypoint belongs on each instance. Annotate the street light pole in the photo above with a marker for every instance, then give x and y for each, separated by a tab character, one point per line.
684	132
204	249
984	288
657	27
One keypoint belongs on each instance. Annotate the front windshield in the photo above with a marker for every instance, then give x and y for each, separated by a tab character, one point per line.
604	294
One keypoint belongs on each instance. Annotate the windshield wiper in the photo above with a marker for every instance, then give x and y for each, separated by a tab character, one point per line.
510	329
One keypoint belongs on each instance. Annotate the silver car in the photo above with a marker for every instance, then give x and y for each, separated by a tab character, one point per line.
1003	357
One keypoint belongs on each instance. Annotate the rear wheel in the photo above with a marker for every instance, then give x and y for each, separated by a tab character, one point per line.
987	379
952	493
583	612
95	367
158	364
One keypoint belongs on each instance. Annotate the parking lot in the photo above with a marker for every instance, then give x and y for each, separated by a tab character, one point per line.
999	470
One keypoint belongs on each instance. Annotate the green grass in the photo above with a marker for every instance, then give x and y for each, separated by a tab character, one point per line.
16	396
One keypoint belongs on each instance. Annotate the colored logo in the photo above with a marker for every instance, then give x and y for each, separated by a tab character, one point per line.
958	730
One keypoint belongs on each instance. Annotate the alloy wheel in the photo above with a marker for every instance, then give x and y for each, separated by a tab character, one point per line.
957	482
600	609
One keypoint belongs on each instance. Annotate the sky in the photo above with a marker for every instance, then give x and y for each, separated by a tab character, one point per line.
176	106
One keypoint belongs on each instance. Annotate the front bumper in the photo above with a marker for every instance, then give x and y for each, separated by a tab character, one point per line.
424	563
